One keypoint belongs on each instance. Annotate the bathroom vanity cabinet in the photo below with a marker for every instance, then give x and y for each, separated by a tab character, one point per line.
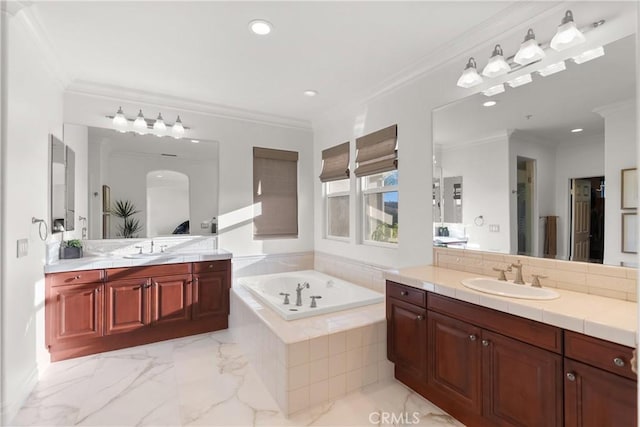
100	310
487	367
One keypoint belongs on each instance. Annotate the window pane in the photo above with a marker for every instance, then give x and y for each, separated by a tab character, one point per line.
338	186
380	180
381	217
338	216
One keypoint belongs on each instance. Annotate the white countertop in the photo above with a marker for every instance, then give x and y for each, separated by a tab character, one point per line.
106	261
606	318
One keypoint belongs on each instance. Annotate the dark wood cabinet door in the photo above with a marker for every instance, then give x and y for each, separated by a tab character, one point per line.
127	305
407	337
455	361
596	398
170	299
78	312
210	295
521	383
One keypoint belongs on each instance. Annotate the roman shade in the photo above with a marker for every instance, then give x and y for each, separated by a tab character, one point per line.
377	152
335	163
275	193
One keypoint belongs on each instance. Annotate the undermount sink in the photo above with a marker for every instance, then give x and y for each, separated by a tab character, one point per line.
148	255
509	289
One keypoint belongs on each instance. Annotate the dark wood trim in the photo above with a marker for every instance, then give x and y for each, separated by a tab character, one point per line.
599	353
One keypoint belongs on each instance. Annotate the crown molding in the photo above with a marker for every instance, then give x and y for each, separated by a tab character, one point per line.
118	94
498	136
616	107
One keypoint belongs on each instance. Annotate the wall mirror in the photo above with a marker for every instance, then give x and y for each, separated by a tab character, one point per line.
62	179
146	186
539	171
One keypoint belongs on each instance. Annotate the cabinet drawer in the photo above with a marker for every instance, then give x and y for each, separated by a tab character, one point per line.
407	294
209	266
532	332
602	354
147	271
75	277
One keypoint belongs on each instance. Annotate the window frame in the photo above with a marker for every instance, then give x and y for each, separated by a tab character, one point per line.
363	214
327	196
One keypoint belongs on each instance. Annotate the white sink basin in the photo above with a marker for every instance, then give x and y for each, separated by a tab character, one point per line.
148	255
509	289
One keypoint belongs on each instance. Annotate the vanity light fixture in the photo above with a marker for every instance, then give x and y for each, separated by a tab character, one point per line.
576	130
310	92
159	126
470	76
177	130
260	27
520	80
552	69
497	66
529	50
489	103
140	124
567	35
120	121
589	55
494	90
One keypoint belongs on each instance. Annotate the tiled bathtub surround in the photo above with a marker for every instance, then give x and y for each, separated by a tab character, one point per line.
273	263
595	279
311	361
367	275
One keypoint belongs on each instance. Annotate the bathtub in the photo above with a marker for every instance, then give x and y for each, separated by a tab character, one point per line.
336	294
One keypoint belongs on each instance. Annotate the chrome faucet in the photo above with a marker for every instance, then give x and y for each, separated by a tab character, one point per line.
299	292
501	275
151	247
518	280
313	300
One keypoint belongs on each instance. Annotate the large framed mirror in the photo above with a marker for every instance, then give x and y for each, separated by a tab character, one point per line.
145	186
62	186
539	166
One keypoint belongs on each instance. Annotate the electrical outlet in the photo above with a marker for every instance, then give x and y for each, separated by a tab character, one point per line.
23	248
204	225
494	228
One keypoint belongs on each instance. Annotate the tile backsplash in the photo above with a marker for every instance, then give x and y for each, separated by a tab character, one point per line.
367	275
596	279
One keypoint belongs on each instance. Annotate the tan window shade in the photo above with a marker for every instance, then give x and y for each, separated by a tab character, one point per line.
335	163
275	192
377	152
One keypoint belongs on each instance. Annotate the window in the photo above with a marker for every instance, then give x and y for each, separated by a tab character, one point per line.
377	164
335	176
275	193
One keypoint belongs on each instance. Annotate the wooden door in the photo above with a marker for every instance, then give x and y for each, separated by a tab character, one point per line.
455	360
127	305
581	219
210	295
521	383
77	313
596	398
171	299
407	337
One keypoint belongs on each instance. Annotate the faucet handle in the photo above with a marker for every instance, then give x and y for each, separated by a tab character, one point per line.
139	248
286	297
517	265
163	247
313	300
536	280
501	275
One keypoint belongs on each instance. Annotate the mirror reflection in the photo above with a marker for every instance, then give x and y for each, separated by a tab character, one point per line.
145	186
62	179
539	166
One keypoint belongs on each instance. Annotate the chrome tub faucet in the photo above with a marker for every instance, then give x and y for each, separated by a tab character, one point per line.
299	289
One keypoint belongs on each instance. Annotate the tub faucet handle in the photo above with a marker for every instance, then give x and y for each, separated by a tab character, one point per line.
139	249
286	298
313	300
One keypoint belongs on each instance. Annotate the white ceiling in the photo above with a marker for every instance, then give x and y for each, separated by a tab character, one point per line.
203	51
556	104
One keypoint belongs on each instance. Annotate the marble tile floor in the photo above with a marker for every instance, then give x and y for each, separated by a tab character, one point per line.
201	380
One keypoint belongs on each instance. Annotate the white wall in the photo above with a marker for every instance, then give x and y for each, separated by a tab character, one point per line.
485	189
620	153
576	158
167	207
236	140
34	99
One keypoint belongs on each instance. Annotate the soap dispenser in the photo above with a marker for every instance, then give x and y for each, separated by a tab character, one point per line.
214	226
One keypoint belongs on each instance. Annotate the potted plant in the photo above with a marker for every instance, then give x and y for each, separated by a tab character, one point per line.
125	209
71	249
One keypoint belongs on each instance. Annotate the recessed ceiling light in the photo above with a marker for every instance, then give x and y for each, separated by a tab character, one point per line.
195	141
310	92
576	130
260	27
489	103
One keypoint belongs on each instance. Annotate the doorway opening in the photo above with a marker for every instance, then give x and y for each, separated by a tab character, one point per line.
587	198
167	203
525	205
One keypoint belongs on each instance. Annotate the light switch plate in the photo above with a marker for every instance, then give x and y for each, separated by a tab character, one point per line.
494	228
204	225
23	248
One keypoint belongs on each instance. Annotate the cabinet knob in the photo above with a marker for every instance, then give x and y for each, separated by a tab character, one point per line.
485	343
77	277
571	376
420	317
472	337
618	362
210	265
404	293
